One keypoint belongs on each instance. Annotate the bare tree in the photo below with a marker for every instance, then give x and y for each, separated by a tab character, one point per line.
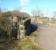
54	14
0	12
35	15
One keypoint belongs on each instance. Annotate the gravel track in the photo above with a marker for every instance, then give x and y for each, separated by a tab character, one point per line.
47	37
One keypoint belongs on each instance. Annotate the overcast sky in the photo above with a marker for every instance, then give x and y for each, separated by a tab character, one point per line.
47	6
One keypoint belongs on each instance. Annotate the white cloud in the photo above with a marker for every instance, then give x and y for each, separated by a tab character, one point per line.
24	5
24	2
26	12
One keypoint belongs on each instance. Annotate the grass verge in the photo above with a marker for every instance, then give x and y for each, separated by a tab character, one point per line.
28	44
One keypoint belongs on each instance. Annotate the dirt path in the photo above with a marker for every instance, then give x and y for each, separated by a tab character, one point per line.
47	37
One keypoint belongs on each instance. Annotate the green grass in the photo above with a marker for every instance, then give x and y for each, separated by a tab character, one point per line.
28	44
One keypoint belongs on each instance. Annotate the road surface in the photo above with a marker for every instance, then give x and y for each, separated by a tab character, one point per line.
47	37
